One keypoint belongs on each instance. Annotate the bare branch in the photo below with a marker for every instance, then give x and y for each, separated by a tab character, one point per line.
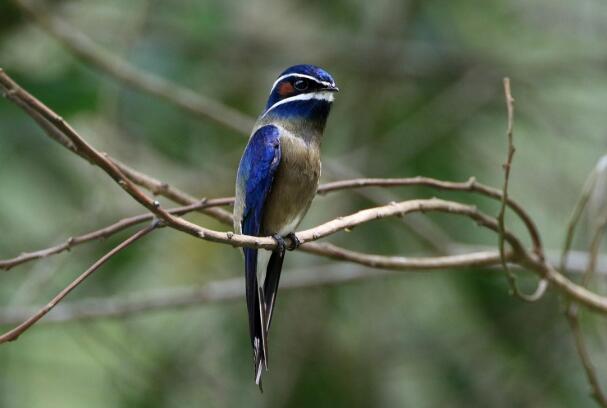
502	213
470	185
469	260
572	312
160	188
105	232
573	319
31	104
221	291
426	231
543	284
575	217
14	334
178	196
231	289
580	345
577	261
568	288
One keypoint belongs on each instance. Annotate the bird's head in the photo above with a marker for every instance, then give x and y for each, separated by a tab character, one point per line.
301	92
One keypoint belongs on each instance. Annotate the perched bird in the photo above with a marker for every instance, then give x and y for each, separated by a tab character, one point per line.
276	182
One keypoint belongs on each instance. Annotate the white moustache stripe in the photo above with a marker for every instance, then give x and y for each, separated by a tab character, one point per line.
325	83
321	96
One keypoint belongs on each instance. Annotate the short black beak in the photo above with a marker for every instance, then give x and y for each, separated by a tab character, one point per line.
332	88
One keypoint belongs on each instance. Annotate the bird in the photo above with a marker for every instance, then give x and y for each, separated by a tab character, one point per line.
277	179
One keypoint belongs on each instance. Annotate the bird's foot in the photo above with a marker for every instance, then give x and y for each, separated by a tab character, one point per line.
296	242
281	245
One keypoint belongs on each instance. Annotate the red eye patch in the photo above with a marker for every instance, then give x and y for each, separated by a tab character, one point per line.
285	89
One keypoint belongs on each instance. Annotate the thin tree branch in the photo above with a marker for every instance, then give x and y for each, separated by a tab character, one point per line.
14	334
226	290
514	289
470	185
426	231
87	50
325	250
13	92
577	261
231	289
571	309
105	232
578	293
178	196
468	260
151	184
161	188
572	314
575	217
595	387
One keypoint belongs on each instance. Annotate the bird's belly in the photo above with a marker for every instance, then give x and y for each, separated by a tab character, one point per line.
294	187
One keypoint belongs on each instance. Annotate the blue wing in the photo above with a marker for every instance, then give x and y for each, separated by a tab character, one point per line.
254	182
256	174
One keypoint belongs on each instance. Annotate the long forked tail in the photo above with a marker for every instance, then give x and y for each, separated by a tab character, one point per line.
270	285
261	299
256	310
259	338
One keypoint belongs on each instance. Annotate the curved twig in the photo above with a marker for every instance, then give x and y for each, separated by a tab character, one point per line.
501	217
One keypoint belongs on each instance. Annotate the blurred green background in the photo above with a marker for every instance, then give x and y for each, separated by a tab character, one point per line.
421	95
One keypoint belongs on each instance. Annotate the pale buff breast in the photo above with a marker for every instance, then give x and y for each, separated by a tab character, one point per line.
294	186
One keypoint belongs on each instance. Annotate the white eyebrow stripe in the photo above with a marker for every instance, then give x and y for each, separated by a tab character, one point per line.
325	83
321	96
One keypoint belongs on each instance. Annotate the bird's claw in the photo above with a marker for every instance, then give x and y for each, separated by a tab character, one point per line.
281	245
296	242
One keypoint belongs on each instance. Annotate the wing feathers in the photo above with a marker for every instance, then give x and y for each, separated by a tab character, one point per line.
254	182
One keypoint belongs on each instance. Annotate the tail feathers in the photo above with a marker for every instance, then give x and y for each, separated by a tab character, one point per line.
260	304
270	285
259	335
263	326
260	342
259	362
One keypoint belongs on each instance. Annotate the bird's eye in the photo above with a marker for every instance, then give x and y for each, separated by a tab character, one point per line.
301	84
